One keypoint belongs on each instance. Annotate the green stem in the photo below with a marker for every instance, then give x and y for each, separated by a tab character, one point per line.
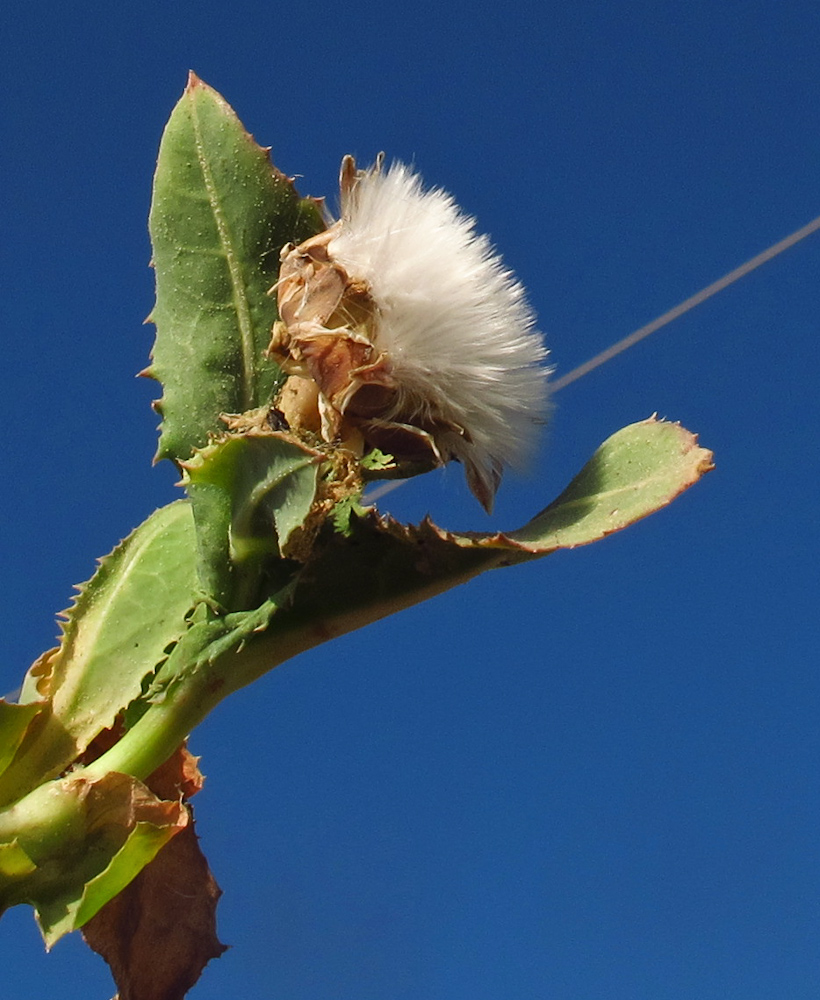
168	723
45	819
152	740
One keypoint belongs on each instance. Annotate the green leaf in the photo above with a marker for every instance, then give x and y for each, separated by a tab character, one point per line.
69	910
252	495
213	642
219	217
117	631
634	473
379	566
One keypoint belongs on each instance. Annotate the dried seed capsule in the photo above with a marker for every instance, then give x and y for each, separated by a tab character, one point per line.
417	338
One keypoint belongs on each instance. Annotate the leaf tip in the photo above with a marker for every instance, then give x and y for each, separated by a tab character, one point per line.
707	461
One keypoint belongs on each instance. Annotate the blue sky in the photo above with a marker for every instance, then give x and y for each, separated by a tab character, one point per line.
590	778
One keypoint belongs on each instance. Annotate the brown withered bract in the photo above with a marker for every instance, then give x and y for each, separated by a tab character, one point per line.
340	384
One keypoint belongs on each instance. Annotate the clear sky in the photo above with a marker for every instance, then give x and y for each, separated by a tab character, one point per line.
594	777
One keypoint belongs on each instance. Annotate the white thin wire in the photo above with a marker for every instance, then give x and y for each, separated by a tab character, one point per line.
684	307
644	331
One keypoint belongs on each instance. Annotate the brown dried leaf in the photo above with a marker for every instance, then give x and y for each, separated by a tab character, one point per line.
159	933
179	775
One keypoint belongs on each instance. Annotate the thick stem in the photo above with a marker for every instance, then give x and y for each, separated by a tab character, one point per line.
152	740
46	819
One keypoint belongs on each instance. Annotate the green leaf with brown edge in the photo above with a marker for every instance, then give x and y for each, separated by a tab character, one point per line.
119	628
220	215
378	566
634	473
385	566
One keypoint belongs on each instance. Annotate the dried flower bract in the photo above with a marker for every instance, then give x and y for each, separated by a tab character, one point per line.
411	334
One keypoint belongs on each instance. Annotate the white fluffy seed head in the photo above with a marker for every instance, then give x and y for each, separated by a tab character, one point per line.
453	320
413	331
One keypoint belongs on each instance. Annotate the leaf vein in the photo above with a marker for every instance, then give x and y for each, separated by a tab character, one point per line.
239	290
